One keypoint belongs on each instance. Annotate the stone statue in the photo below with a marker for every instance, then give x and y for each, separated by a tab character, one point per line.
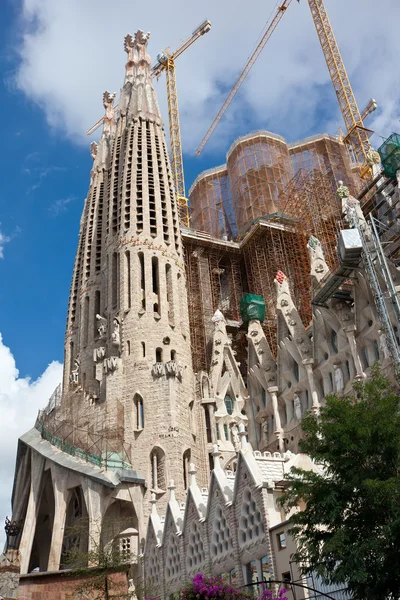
383	345
101	324
342	191
132	590
265	431
339	380
373	157
74	377
235	436
109	117
297	407
351	210
219	321
116	336
93	150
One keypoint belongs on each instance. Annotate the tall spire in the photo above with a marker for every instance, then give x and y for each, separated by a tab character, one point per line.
138	98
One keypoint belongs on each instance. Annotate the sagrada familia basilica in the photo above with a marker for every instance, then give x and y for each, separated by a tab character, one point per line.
193	353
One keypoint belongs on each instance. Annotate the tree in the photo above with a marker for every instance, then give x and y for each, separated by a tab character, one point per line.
101	571
349	530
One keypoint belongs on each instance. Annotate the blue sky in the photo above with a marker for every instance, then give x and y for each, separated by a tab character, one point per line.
56	59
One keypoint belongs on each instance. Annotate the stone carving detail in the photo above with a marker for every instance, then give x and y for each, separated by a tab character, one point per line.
351	210
319	268
110	364
297	407
235	437
291	315
74	376
383	345
173	369
158	369
109	117
99	354
93	150
101	324
219	321
116	335
339	380
373	157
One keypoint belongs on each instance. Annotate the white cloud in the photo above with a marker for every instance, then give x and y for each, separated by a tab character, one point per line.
3	240
20	400
71	51
60	206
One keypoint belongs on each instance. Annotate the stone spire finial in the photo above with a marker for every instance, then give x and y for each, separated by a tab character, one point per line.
109	117
216	456
153	502
171	488
242	434
192	475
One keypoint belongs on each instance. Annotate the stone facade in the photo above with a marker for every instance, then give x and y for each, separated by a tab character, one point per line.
134	419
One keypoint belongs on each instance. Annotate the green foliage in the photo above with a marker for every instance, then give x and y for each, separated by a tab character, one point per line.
349	532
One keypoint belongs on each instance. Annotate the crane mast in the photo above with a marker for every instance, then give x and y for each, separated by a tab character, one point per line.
357	136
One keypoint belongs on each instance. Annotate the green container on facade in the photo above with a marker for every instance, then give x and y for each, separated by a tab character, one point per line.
390	155
252	308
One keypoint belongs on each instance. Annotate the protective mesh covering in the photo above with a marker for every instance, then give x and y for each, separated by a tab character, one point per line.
259	168
211	203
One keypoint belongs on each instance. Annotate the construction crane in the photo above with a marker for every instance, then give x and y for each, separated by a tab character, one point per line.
166	62
357	136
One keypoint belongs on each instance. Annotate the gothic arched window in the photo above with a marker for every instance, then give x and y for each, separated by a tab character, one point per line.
228	405
158	469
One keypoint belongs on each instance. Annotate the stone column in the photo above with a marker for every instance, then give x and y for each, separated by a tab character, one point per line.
25	547
308	363
210	408
60	511
349	331
273	391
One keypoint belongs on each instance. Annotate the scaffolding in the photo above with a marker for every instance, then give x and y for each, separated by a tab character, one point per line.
259	168
215	281
267	248
211	204
328	154
101	446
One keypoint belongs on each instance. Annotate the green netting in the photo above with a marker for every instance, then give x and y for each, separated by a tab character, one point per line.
390	155
252	307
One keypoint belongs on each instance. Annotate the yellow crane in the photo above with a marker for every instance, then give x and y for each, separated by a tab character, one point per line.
357	136
166	62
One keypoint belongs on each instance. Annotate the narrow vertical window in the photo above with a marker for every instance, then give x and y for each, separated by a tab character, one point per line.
142	282
114	275
170	296
156	284
158	354
173	354
96	311
128	291
185	465
138	412
86	320
143	349
208	424
128	347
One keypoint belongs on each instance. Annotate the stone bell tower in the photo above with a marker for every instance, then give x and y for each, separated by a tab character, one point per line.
128	370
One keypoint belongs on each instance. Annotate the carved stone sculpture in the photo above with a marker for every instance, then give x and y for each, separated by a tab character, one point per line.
74	376
319	268
235	437
351	210
297	407
101	325
109	117
93	150
131	590
339	380
116	336
383	345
